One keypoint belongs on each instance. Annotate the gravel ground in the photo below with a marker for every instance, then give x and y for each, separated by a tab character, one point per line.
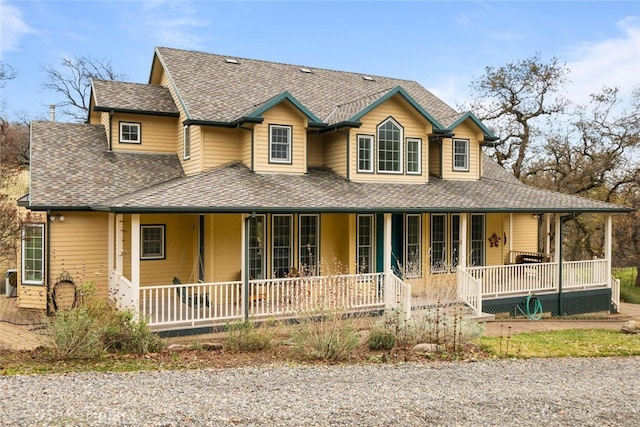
575	392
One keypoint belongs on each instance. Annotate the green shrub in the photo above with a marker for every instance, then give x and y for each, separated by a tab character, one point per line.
380	339
96	326
245	336
327	337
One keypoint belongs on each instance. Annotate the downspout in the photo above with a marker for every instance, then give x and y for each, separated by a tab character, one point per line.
48	261
110	131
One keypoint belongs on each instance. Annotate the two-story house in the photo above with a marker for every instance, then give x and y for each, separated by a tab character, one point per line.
229	187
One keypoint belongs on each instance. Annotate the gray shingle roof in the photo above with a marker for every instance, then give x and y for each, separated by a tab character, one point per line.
125	96
71	167
234	188
215	90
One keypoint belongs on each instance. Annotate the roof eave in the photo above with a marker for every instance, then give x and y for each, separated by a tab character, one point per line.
131	111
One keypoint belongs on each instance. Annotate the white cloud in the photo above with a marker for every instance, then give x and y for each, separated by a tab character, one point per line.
614	62
12	27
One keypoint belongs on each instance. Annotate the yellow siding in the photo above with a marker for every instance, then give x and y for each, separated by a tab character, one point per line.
79	249
104	120
334	243
525	233
282	114
315	150
32	297
245	148
227	231
336	153
220	146
435	168
494	223
180	250
466	130
157	134
413	125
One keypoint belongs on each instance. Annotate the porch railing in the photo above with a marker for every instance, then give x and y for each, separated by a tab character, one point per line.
289	296
615	293
470	290
190	303
581	274
398	294
121	290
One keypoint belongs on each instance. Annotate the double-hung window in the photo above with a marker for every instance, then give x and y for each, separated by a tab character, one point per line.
413	246
438	242
460	154
308	244
130	133
256	247
365	153
281	234
389	147
33	254
365	244
455	241
413	156
152	241
279	144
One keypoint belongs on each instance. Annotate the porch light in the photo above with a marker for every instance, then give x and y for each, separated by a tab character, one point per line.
60	218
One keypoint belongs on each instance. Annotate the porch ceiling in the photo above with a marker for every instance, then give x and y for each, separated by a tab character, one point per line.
234	188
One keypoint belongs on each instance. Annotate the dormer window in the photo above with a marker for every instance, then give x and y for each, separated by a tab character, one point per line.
389	147
461	155
279	144
130	133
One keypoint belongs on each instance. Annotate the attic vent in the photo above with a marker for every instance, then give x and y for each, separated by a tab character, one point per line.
306	70
369	79
231	61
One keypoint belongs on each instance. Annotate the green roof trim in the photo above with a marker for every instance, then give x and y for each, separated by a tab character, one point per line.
398	90
257	113
469	115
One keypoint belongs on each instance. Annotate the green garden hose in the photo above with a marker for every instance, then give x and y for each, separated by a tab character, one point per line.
532	307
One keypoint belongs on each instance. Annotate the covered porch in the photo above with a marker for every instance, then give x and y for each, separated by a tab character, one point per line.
198	301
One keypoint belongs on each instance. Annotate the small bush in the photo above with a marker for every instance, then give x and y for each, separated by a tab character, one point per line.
245	336
96	326
380	339
326	337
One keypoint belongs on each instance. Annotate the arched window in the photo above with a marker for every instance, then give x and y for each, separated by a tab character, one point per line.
389	147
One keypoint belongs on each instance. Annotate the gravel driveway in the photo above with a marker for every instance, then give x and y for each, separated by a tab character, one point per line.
571	392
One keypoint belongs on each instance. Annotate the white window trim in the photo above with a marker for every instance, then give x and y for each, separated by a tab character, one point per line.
289	146
316	268
400	148
419	141
467	155
186	142
130	141
163	241
372	257
273	239
418	272
482	240
42	237
368	138
263	258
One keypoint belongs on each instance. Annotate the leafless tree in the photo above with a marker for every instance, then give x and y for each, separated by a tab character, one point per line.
72	80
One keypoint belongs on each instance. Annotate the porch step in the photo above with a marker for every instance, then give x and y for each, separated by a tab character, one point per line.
483	317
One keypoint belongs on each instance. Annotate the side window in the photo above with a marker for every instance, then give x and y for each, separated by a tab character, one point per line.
365	153
33	254
438	242
281	254
477	240
279	144
413	156
256	247
308	244
461	155
186	135
413	246
152	241
130	133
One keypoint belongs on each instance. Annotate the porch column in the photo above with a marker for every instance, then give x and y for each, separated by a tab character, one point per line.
135	262
119	247
558	242
462	256
389	303
607	247
244	274
547	236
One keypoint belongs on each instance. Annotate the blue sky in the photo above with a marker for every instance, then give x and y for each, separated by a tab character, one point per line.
442	45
